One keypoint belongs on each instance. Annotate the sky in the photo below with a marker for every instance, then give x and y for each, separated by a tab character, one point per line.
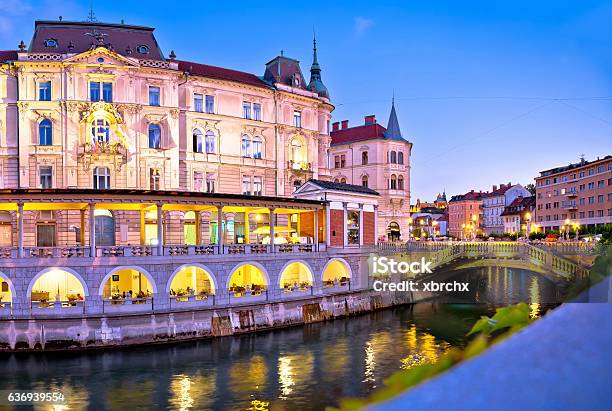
488	92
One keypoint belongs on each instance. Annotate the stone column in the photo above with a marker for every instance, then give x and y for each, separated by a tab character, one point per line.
82	233
375	224
327	225
220	228
272	224
20	229
345	224
160	232
316	229
360	225
198	227
92	230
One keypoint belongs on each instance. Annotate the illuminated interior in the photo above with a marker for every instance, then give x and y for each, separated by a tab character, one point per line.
5	292
247	275
126	280
296	274
336	270
192	278
57	282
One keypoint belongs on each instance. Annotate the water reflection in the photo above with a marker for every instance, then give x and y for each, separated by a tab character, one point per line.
306	367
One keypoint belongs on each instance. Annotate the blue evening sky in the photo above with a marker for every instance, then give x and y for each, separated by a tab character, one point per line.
488	91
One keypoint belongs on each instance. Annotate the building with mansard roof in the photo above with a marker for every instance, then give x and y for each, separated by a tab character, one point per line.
377	157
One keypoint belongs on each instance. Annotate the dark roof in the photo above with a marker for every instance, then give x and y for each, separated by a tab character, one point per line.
393	129
77	37
358	133
221	73
282	69
520	204
330	185
8	55
470	195
570	167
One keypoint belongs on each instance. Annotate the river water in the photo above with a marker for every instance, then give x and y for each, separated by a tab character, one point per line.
298	368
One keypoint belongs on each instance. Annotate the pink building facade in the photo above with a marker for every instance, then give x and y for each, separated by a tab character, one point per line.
376	157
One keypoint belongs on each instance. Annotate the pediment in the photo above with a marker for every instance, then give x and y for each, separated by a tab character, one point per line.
102	56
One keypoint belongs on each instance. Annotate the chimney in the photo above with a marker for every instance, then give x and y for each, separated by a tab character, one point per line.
494	188
344	124
371	119
509	184
336	126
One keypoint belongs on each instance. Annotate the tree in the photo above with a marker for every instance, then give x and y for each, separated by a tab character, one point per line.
531	188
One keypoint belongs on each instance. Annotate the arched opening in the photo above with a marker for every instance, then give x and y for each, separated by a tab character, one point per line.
105	227
189	228
56	285
6	292
257	147
100	132
393	231
45	132
393	182
336	272
296	184
393	157
198	141
400	157
364	181
248	278
246	146
296	277
127	283
154	135
210	142
191	280
400	183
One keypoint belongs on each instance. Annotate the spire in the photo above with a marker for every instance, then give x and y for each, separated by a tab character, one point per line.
316	84
393	129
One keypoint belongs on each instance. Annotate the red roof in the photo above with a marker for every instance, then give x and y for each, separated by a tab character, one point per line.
358	133
8	55
221	73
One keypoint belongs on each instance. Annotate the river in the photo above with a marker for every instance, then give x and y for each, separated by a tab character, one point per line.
298	368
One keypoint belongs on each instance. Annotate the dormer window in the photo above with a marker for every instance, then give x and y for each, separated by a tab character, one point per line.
142	49
50	43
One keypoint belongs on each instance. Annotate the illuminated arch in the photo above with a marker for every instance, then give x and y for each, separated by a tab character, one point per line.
11	291
336	268
296	271
261	274
199	269
68	285
119	270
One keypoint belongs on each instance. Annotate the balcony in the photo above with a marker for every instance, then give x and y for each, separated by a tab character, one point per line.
299	166
571	193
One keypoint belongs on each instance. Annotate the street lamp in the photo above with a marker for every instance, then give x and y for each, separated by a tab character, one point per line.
567	227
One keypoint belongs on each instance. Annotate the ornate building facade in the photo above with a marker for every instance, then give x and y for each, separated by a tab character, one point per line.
376	157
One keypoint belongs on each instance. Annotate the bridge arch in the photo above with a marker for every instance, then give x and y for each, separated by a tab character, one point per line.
64	280
296	271
336	268
200	275
251	273
125	281
11	289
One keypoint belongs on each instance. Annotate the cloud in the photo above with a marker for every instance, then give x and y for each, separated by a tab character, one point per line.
362	24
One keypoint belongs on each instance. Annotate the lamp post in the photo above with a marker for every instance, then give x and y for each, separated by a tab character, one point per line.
567	227
409	227
527	224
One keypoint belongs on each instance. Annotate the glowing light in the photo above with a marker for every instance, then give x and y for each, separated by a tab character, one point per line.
285	377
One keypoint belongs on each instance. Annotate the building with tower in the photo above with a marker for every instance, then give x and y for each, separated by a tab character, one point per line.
376	157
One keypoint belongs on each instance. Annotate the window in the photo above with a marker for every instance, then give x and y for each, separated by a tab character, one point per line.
142	49
154	179
198	141
101	178
257	186
343	180
198	103
257	147
210	104
364	158
210	182
342	161
46	177
257	111
45	132
352	226
50	43
393	182
297	119
246	186
393	157
364	181
153	96
107	91
100	131
246	146
600	198
210	142
400	157
246	110
400	183
44	91
154	135
198	181
296	184
336	161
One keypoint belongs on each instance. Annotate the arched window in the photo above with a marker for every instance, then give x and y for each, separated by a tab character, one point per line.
45	133
198	141
297	184
246	146
101	178
296	150
364	181
393	157
154	135
400	183
336	180
210	142
343	180
257	147
364	158
393	182
100	131
105	227
400	157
